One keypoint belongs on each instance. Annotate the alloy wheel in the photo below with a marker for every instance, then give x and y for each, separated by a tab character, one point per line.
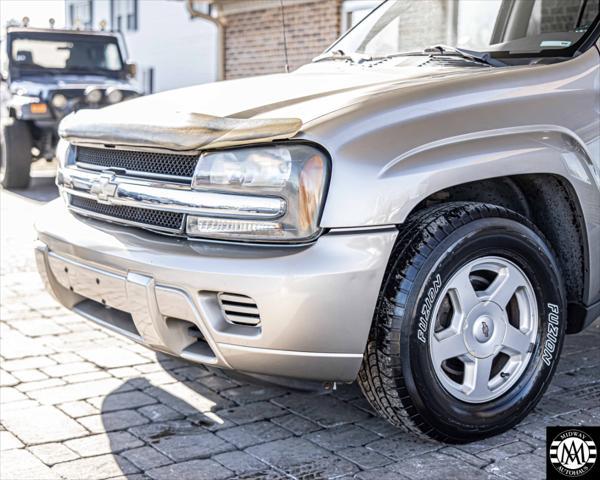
485	326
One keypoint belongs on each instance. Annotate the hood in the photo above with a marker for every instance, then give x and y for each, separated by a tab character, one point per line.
247	110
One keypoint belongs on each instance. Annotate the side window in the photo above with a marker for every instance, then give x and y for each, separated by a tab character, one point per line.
475	22
589	13
112	58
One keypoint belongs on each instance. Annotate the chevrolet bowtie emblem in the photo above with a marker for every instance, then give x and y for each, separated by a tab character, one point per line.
104	188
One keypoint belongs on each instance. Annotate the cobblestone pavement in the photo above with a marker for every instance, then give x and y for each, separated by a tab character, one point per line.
81	403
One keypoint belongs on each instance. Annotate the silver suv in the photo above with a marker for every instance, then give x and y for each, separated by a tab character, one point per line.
419	217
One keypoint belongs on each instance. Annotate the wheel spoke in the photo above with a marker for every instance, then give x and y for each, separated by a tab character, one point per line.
477	377
505	285
449	347
463	295
515	341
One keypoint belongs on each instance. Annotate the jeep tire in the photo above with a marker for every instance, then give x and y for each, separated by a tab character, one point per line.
423	304
15	162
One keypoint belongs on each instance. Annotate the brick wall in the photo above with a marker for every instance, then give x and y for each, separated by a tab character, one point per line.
254	39
422	23
561	15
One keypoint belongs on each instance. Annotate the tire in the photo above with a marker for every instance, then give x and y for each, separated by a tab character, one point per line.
15	167
457	400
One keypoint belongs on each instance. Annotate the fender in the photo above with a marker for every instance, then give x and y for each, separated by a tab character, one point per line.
540	149
543	149
408	179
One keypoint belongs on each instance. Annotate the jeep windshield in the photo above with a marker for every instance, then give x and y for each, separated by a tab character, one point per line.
516	31
65	53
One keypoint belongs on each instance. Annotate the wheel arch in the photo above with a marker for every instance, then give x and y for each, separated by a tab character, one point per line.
545	174
550	202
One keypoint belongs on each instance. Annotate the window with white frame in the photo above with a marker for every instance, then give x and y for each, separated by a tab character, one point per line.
353	11
81	14
124	15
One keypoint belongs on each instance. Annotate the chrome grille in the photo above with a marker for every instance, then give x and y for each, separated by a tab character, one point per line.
160	219
168	164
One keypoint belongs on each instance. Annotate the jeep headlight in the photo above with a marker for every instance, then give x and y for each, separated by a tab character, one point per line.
295	174
114	95
59	101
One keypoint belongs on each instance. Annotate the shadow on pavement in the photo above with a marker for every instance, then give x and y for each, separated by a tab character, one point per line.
41	189
174	423
174	430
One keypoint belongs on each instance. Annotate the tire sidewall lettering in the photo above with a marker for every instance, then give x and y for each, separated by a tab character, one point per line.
552	333
427	307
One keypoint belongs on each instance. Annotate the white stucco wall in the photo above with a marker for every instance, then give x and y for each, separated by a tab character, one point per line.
182	51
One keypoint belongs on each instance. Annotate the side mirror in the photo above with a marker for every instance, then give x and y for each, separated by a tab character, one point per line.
131	69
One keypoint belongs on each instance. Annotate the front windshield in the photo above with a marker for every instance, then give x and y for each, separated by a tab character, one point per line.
501	26
74	53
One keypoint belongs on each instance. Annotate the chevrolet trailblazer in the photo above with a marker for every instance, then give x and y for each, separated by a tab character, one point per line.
423	218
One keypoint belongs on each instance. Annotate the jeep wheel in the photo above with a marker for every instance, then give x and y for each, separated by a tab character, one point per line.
15	163
469	324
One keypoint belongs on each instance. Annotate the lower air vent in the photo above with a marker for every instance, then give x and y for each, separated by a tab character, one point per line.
239	309
198	350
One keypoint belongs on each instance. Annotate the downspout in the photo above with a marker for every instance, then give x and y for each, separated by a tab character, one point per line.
220	24
452	23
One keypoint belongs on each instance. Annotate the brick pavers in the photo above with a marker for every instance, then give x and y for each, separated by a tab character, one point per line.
79	402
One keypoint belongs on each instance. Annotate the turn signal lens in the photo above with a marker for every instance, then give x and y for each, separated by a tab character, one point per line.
310	190
225	228
38	108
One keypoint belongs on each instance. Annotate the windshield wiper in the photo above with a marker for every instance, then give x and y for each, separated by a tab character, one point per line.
482	57
340	55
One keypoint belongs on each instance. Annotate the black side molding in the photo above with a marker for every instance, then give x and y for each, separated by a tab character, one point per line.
582	316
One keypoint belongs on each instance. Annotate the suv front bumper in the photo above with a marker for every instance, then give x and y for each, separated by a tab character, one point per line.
315	302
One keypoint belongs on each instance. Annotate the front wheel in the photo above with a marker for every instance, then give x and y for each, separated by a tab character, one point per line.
469	324
15	155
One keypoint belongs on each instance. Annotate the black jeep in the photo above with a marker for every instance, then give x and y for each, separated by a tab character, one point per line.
47	74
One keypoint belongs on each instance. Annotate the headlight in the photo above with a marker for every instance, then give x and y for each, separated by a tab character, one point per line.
296	174
114	95
93	95
65	154
59	101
